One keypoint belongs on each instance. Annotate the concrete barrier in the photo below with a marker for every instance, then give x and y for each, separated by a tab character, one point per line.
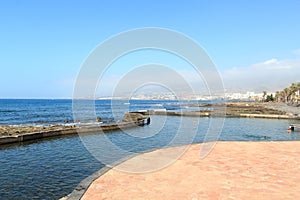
141	121
266	116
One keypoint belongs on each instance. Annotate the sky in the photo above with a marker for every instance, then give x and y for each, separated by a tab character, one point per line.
255	44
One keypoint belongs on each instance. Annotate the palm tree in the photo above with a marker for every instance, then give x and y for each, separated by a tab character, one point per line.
282	96
293	88
264	95
298	92
278	96
291	93
286	92
298	88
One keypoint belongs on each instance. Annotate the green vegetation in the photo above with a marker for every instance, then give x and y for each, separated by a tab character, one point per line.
290	94
269	98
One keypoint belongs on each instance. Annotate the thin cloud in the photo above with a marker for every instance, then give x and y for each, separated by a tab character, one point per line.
179	81
271	61
268	75
297	52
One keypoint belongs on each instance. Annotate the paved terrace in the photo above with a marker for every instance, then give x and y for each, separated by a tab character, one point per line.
233	170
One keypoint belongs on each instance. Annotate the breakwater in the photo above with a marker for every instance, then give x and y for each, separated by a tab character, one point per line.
22	134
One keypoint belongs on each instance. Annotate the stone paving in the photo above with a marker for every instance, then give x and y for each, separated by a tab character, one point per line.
233	170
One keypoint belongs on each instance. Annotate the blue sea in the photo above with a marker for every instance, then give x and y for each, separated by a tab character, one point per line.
51	168
35	112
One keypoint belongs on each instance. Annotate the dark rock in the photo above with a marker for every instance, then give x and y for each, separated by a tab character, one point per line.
133	117
99	119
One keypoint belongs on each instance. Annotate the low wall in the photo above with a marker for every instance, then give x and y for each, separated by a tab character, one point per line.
212	114
68	131
267	116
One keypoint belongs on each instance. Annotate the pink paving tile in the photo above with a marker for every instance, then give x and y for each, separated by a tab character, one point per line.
233	170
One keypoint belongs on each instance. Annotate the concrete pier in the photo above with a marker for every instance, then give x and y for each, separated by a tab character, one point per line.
129	121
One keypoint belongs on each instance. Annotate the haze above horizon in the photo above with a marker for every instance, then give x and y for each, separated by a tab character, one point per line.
254	44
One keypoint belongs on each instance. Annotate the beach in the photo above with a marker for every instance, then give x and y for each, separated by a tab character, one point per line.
233	170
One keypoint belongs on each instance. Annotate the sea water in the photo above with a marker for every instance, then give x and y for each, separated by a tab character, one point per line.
51	168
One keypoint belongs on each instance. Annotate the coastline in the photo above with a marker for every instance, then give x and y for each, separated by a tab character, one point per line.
238	110
239	170
60	131
14	134
242	154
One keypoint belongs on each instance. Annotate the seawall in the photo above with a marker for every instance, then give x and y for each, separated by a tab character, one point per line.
23	133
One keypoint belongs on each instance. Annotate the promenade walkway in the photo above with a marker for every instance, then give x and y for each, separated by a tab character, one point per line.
233	170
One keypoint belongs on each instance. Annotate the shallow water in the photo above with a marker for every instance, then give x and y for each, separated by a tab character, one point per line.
46	169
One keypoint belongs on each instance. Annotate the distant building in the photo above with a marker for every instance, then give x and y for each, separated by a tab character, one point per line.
248	96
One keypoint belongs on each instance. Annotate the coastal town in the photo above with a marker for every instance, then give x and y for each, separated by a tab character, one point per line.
149	100
289	94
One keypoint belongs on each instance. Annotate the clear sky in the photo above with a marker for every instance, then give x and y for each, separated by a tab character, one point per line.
43	43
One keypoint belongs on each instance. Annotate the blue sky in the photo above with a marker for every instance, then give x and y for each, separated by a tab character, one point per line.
43	43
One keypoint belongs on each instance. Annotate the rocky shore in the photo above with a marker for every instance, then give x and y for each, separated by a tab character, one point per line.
239	109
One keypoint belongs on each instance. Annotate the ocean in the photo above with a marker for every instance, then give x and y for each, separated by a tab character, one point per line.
51	168
39	112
